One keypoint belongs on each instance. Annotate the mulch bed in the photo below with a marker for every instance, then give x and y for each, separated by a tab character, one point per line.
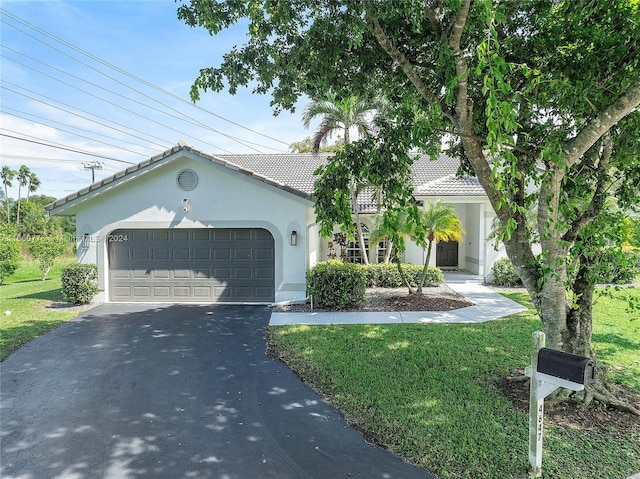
575	416
439	298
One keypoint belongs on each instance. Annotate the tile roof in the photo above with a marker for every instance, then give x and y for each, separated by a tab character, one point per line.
293	172
451	185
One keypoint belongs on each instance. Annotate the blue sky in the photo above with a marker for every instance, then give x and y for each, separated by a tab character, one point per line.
112	79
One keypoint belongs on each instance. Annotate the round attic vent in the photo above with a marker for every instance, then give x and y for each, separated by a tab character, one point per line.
187	180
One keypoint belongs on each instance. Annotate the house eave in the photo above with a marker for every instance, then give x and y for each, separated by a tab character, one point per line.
66	206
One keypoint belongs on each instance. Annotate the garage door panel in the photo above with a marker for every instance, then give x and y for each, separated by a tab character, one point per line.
202	254
201	235
161	274
201	273
222	273
181	273
182	292
225	265
182	254
221	254
261	234
139	235
160	292
242	254
140	273
140	254
221	235
155	235
202	292
160	254
264	254
243	273
263	273
180	235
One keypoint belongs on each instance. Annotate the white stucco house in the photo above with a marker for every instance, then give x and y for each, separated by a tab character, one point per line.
186	226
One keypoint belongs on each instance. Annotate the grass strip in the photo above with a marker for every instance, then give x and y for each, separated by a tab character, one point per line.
24	301
430	392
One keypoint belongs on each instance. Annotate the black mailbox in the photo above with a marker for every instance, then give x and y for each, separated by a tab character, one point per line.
570	367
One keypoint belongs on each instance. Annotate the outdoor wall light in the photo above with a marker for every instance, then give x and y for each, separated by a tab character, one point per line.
294	238
86	239
185	204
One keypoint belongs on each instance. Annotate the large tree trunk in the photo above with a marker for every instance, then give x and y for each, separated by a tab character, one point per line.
580	316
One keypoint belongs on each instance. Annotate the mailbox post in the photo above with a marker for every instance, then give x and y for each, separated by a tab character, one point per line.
549	370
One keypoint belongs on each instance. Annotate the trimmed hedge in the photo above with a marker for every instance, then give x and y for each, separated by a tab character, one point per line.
336	285
386	275
504	274
79	283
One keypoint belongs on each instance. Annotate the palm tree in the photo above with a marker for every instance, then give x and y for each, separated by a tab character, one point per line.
438	222
23	180
342	115
33	185
403	230
7	175
338	115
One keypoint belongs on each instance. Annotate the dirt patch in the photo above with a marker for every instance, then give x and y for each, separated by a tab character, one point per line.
571	415
439	298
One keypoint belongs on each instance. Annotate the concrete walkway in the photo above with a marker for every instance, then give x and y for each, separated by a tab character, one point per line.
487	305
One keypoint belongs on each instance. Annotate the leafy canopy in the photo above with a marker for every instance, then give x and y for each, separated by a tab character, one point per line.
538	98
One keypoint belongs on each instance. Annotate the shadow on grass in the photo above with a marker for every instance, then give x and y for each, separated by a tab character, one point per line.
611	342
13	337
50	295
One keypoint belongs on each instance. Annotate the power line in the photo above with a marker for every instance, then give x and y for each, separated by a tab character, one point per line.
81	116
180	116
60	147
122	108
123	72
81	136
29	117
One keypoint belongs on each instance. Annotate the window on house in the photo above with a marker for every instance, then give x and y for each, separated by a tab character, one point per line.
354	255
382	250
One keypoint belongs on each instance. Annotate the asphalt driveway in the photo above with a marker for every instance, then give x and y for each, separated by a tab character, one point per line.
171	391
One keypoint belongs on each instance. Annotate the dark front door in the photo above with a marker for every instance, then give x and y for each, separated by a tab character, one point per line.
447	254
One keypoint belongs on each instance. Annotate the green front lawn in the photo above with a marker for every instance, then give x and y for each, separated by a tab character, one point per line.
427	392
430	393
24	301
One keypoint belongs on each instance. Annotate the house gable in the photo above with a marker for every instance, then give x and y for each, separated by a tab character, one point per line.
68	204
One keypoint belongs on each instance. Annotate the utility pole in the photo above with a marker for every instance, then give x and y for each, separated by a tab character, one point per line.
93	166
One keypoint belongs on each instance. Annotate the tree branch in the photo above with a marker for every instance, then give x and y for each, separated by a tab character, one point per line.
598	197
607	118
464	106
432	15
402	61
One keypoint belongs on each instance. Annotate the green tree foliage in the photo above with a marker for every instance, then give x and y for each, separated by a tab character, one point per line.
634	231
305	146
539	98
23	177
9	251
438	222
7	176
343	114
435	222
33	184
45	249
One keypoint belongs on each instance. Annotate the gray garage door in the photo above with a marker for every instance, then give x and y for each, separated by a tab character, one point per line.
221	265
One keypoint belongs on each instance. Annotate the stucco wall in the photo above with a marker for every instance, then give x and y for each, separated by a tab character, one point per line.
223	198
